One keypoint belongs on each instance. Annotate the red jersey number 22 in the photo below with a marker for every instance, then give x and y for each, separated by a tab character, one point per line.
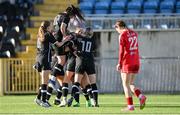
133	43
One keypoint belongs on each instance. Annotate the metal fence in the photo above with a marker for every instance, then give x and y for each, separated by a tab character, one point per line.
136	21
157	75
19	76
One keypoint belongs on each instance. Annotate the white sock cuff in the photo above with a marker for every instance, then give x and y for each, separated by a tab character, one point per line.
53	78
140	96
43	91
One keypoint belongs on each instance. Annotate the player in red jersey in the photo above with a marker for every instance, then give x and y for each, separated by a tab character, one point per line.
129	63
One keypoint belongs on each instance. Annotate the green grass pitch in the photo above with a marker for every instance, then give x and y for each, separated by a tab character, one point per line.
109	104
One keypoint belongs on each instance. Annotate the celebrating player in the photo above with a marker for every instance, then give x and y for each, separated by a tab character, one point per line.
43	64
61	22
129	63
85	64
69	75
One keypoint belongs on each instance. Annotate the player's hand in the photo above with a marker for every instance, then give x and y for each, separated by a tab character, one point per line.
118	67
67	38
75	53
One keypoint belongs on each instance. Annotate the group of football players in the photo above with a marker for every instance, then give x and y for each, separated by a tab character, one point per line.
73	54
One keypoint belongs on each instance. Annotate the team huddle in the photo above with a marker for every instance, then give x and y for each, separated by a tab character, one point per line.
74	54
73	49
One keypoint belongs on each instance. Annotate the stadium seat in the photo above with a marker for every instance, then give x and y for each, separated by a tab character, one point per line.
170	0
102	7
1	33
26	6
87	12
158	1
167	7
130	24
178	11
86	7
5	54
3	23
118	7
8	47
109	1
138	1
178	7
150	7
147	24
92	1
14	17
121	1
11	42
19	21
97	24
134	7
164	26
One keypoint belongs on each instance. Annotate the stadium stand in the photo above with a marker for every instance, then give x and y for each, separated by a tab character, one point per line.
44	13
102	7
130	6
134	7
150	7
167	6
118	7
178	7
86	7
121	1
14	21
14	16
138	14
93	1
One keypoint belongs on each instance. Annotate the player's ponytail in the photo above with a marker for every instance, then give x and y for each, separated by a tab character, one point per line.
74	11
42	30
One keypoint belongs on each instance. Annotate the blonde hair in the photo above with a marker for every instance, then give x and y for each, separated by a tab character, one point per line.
42	30
89	32
79	30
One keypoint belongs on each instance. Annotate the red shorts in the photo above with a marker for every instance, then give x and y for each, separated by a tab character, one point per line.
130	69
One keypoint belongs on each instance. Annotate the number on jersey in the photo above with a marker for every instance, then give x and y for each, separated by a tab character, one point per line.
86	46
133	43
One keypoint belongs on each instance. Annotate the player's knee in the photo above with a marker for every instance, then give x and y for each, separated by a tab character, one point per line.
92	78
58	70
61	60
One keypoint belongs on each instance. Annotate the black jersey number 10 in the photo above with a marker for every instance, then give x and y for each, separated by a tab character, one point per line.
86	46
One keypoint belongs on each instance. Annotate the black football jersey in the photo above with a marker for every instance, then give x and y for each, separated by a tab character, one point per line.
85	46
58	20
45	46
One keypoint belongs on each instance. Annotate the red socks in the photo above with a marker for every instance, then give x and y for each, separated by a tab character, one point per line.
137	92
129	100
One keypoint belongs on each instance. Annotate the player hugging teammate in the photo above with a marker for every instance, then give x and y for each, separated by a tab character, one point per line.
84	68
80	46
